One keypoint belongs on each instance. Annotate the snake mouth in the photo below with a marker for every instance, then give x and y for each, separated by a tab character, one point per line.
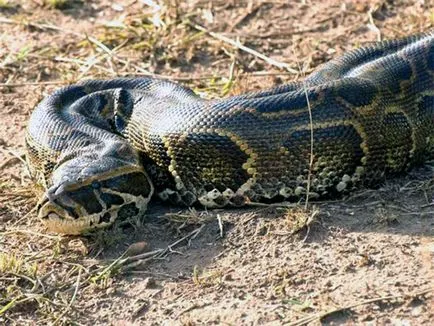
58	221
74	208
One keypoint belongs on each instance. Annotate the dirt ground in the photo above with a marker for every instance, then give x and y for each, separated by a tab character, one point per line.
367	258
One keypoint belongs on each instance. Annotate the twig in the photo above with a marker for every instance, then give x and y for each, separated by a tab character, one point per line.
77	286
116	263
54	82
14	302
144	255
14	154
219	219
427	205
100	45
138	262
372	25
309	319
418	213
193	234
282	204
244	48
31	233
159	253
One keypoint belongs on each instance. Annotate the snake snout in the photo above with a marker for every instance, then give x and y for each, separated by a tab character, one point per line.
73	208
56	206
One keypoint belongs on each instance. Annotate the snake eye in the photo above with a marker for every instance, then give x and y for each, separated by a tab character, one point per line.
105	218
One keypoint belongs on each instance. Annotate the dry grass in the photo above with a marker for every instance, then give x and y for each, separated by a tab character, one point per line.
48	277
51	274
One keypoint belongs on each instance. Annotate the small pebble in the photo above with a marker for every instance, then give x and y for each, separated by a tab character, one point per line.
137	248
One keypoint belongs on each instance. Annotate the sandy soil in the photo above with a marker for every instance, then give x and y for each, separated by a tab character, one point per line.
366	259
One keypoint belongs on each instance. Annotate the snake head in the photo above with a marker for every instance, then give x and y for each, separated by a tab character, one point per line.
94	198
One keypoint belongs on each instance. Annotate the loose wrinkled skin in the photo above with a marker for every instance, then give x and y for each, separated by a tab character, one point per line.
102	148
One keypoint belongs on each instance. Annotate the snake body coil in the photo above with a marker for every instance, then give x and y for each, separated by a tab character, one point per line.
101	148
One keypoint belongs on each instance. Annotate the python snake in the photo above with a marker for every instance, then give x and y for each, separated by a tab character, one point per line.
101	148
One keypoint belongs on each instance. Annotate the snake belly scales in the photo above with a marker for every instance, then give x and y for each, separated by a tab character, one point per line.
101	149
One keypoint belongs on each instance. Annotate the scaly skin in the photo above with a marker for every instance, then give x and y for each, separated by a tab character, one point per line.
101	147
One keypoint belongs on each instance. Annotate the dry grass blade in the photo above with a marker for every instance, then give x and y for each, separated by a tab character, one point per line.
311	140
244	48
13	303
14	231
281	255
372	25
74	296
311	154
220	221
132	262
317	317
42	83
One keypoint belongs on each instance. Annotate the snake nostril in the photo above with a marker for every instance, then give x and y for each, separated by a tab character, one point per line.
42	201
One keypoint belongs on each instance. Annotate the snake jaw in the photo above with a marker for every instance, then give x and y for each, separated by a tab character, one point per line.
57	219
76	207
64	220
59	223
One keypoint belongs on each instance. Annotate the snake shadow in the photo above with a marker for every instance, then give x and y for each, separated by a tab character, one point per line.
192	243
191	238
402	204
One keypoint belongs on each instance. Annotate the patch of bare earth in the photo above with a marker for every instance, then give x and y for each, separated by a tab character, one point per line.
366	258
